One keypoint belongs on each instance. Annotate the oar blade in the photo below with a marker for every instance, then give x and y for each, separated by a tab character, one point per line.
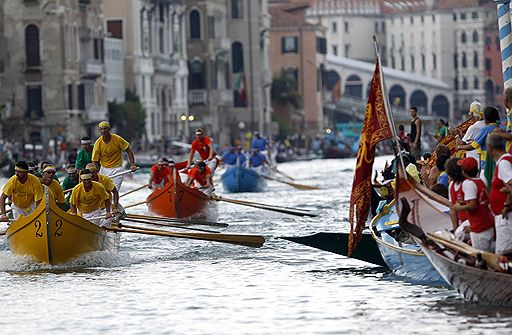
254	241
285	210
296	185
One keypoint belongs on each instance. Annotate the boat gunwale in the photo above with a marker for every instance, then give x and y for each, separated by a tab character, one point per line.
387	207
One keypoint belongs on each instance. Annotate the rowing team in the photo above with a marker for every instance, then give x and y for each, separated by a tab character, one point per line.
198	175
95	198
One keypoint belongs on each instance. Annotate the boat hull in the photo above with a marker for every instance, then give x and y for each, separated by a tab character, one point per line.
50	235
474	284
403	259
176	200
240	179
423	213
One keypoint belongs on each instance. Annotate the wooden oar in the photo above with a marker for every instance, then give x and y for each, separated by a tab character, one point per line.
285	210
135	204
246	240
184	221
281	173
168	225
298	186
489	258
134	190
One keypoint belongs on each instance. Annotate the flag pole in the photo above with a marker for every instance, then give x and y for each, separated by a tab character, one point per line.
387	107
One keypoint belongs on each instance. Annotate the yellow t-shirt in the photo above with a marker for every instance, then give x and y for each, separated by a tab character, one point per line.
88	201
24	195
108	184
109	155
57	191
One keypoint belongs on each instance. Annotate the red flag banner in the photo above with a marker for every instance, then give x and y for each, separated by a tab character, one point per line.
376	128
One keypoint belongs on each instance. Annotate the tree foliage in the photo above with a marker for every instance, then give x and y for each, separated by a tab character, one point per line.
284	91
128	117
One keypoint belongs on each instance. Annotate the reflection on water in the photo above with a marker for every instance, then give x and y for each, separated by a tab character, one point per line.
160	285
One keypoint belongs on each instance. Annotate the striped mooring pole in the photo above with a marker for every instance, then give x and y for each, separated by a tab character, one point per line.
503	8
505	34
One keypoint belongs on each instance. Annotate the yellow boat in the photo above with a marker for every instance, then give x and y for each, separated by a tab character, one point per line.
50	235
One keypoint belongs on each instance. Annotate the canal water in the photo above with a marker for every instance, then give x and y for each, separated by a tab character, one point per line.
159	285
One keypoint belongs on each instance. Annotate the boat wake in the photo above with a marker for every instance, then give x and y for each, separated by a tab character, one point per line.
104	259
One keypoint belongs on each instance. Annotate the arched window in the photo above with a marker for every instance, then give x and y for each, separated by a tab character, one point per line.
475	37
463	37
195	24
196	78
475	59
237	57
32	46
464	60
476	83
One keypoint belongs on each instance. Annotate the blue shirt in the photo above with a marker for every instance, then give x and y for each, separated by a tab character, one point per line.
257	160
259	143
443	178
230	158
242	158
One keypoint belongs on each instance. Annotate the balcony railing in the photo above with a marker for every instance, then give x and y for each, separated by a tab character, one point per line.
91	68
166	63
197	97
221	43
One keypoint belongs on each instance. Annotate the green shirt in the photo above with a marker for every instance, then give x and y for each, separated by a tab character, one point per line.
83	158
66	185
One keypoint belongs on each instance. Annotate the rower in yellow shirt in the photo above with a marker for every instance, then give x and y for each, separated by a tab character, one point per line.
108	184
25	191
54	186
89	197
107	152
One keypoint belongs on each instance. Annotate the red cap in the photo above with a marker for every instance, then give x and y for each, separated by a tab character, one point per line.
468	163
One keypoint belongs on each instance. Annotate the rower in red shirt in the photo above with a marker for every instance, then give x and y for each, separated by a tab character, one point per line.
476	204
203	145
501	196
160	174
459	218
201	177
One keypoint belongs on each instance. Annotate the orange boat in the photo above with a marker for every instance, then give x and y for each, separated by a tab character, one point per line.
176	200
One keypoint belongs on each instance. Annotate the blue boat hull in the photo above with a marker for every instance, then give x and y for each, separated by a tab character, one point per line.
404	259
240	179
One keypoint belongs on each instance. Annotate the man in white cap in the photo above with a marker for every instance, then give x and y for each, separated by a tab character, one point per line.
84	156
108	151
69	182
54	186
24	189
476	111
203	145
88	197
160	174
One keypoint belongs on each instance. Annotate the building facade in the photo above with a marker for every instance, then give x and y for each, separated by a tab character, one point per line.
155	60
229	81
297	50
441	39
53	79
